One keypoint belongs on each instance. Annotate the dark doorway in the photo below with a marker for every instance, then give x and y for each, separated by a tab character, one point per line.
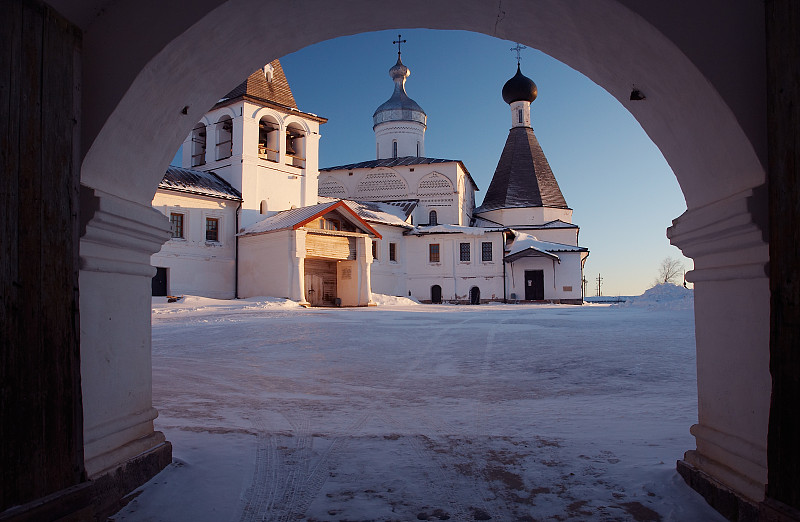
534	285
436	294
475	295
160	281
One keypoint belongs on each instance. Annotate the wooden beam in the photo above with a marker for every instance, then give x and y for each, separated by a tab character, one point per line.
783	120
41	426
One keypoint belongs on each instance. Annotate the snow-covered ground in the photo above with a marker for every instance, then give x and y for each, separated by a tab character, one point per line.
421	412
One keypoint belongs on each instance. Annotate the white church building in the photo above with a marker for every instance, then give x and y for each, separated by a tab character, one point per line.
252	214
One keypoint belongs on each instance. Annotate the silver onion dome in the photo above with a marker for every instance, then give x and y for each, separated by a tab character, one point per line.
399	107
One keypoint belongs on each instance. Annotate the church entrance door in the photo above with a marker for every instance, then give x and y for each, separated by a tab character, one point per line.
160	281
320	282
475	295
534	285
436	294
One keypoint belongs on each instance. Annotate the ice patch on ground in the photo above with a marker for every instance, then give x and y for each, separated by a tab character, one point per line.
664	296
390	300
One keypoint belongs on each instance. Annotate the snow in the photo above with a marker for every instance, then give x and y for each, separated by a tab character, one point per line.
664	296
523	241
421	412
390	300
454	229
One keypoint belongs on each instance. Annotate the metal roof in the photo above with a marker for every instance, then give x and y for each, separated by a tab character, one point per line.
297	217
387	213
402	161
198	182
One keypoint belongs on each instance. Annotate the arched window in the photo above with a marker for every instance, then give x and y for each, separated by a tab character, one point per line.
519	115
394	149
433	218
268	138
199	145
418	149
263	207
224	138
475	295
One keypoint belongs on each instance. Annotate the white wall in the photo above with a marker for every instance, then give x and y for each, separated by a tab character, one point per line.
512	217
406	133
389	277
557	275
456	277
196	266
265	264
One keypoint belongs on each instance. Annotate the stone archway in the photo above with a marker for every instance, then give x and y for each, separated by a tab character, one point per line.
705	91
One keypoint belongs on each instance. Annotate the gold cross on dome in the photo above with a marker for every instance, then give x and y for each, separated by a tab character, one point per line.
398	42
518	48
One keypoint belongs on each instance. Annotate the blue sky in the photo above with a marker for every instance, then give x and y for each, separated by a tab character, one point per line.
623	193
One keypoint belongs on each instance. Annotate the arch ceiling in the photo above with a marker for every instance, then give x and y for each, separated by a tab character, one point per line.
704	112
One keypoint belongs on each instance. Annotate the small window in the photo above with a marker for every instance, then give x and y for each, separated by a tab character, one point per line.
417	152
519	115
332	224
486	251
394	149
375	250
464	248
433	218
212	229
176	224
392	251
433	252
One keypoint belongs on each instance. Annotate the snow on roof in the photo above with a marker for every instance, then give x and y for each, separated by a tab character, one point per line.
526	244
286	219
454	229
297	217
198	182
556	223
376	212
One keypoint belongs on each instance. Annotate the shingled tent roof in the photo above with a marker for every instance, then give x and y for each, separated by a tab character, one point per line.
257	86
198	182
523	177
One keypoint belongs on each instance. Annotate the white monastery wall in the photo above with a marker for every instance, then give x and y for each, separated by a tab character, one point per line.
512	217
456	277
266	265
389	276
561	280
196	266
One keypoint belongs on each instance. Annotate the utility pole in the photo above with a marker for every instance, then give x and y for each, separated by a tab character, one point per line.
599	283
583	286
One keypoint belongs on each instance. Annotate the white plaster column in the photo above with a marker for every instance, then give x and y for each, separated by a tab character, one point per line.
310	180
297	256
115	294
364	258
732	319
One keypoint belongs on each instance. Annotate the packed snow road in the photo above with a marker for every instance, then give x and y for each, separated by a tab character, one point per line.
425	412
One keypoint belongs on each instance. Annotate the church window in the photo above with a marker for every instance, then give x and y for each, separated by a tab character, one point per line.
393	252
224	138
212	229
375	250
263	207
433	252
394	149
464	251
486	251
433	218
519	115
417	151
199	145
176	225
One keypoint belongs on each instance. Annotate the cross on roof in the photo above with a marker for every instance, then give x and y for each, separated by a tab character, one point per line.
398	42
518	48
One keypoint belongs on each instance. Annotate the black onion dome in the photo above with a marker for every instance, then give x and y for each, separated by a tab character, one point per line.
519	88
